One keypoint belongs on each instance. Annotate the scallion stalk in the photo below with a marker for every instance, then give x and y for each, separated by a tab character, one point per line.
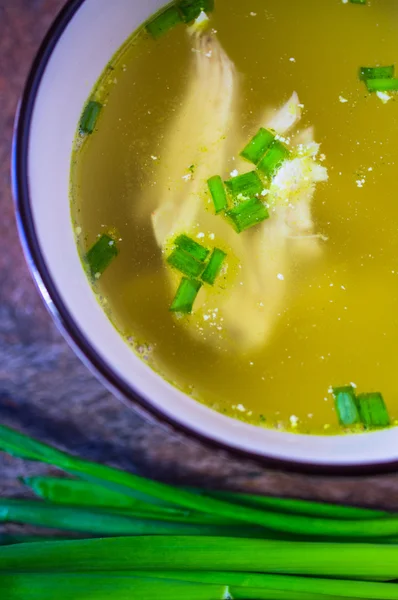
246	185
366	73
185	296
191	9
258	145
163	22
273	158
100	255
373	410
214	265
89	117
217	191
247	214
185	263
346	405
189	245
382	85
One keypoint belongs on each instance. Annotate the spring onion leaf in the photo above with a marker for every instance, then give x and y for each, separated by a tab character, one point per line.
373	411
217	192
191	9
133	485
366	73
346	405
247	214
101	254
163	22
90	116
213	268
258	145
302	507
185	263
196	250
247	185
204	553
282	583
358	1
185	296
273	158
103	586
382	85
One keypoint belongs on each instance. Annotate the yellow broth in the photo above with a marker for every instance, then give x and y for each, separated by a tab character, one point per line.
339	324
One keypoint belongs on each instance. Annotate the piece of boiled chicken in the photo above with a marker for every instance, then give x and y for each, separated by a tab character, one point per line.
260	260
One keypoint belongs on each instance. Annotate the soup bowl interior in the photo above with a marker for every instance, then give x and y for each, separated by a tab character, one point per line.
83	40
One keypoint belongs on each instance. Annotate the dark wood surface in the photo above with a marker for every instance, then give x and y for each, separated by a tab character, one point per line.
47	392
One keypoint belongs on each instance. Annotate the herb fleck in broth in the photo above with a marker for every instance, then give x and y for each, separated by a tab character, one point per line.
336	321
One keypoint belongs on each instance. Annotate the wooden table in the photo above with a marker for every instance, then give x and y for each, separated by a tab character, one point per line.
47	392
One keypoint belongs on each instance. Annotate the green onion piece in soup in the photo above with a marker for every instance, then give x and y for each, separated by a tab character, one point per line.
373	410
213	268
185	296
247	185
382	85
100	255
189	245
185	263
358	1
191	9
90	116
163	22
217	191
366	73
247	214
346	405
273	158
258	145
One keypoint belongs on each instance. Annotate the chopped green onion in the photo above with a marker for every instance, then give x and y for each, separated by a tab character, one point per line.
358	1
189	245
90	116
163	22
258	145
248	213
191	9
366	73
217	192
185	263
247	185
101	254
382	85
373	410
273	159
185	296
346	405
214	266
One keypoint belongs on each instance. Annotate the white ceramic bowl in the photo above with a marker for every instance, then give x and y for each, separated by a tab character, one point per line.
81	42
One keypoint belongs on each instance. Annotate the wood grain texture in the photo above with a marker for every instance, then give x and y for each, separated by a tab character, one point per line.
47	392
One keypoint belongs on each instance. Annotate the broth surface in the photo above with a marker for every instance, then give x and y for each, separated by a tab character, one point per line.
339	323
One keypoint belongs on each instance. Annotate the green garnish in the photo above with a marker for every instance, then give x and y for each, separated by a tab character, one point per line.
101	254
247	213
273	158
366	73
218	194
163	22
185	263
358	1
191	9
373	410
214	266
258	145
346	405
382	85
247	185
90	116
196	250
185	296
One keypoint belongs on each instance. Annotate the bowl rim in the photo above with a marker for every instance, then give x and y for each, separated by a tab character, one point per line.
63	317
